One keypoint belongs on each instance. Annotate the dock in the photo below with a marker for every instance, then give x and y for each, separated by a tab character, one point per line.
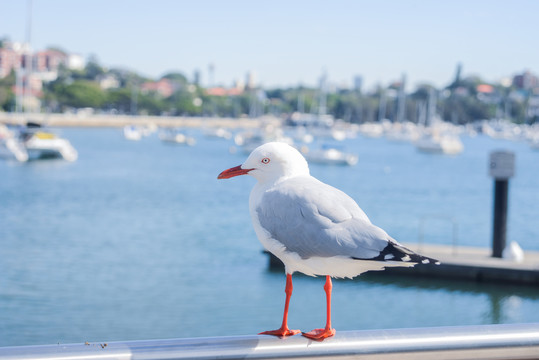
475	264
465	263
511	341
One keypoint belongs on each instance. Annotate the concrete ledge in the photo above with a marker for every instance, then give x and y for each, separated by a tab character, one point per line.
476	264
84	120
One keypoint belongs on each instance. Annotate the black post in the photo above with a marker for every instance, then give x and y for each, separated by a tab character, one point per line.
501	190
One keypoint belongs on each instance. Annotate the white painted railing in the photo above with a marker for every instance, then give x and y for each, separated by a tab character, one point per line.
517	341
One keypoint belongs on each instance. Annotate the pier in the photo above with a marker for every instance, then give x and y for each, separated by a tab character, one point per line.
476	264
515	341
465	263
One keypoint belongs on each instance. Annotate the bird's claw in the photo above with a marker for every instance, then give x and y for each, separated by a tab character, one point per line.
282	332
319	334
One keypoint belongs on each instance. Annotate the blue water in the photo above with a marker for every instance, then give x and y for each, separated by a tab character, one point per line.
139	240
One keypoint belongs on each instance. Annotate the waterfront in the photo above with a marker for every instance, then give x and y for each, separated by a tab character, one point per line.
138	240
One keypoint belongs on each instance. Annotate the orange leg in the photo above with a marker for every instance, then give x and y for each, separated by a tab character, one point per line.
284	331
321	334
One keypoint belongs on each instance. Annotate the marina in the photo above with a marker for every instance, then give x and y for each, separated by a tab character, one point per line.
137	239
393	180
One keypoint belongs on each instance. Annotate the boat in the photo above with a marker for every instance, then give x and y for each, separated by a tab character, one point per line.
11	146
132	132
435	135
175	136
439	143
371	129
329	155
219	133
253	138
403	132
43	144
33	142
317	125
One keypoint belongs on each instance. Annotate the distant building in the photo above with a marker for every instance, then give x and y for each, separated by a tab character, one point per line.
75	62
196	78
45	63
358	83
250	80
10	58
44	67
108	81
526	81
163	87
487	94
221	91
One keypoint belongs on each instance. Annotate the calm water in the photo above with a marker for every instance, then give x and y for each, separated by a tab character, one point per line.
138	240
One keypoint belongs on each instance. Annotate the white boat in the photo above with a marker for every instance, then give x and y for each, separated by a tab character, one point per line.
371	129
220	133
403	132
132	132
11	146
317	125
330	156
35	143
175	136
43	144
439	143
533	138
251	139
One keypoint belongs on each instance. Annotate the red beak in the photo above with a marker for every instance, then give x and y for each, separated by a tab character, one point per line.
235	171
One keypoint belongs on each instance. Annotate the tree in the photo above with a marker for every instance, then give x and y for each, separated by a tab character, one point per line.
176	77
81	94
93	69
119	99
150	104
183	103
7	97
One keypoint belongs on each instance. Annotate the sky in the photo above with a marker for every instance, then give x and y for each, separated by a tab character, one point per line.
285	42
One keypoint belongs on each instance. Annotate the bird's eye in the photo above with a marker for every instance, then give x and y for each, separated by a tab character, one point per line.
265	160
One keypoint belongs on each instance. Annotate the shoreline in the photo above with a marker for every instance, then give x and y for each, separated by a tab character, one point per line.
87	120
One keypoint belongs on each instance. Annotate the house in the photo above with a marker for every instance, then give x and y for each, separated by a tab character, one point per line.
163	87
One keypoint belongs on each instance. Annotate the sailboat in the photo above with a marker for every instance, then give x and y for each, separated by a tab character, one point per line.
316	124
436	137
32	141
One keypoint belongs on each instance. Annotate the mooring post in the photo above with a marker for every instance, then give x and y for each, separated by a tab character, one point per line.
502	167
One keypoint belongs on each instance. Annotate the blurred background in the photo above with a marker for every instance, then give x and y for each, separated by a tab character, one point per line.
117	117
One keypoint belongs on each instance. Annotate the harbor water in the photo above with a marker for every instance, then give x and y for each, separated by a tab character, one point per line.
139	240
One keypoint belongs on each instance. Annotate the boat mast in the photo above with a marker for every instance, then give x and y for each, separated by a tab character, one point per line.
401	100
28	58
322	107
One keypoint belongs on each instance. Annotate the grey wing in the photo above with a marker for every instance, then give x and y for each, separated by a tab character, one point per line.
315	219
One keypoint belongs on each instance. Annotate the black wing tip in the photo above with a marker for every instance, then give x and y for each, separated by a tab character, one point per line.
397	252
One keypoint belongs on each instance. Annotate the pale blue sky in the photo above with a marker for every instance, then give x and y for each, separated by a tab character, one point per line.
286	42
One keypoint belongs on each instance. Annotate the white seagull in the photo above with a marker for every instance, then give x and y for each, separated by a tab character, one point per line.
312	227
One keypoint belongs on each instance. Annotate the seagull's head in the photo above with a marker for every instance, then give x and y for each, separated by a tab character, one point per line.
270	162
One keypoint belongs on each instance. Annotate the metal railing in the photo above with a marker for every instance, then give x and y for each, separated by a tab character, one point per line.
517	341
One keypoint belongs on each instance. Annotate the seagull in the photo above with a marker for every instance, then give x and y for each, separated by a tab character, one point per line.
312	227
